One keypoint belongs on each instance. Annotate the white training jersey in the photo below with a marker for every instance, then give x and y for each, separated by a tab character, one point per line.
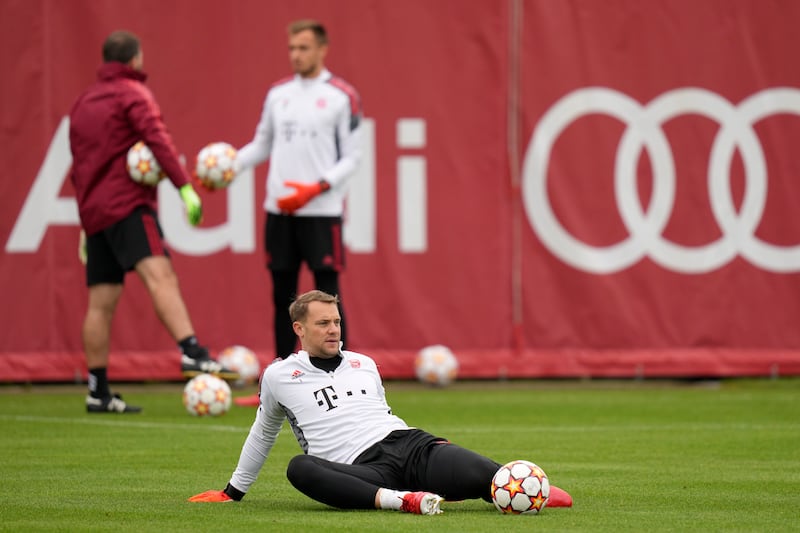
310	129
334	415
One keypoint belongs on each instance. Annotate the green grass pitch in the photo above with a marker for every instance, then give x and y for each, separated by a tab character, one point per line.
636	456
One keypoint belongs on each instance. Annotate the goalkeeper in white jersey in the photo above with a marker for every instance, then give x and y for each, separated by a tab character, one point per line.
310	130
357	454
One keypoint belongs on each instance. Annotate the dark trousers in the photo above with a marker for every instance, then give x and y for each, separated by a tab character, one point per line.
410	460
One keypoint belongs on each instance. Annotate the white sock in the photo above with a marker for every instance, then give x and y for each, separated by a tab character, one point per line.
391	499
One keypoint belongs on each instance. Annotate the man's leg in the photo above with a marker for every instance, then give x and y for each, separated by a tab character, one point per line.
356	486
322	248
335	484
96	334
162	284
281	241
284	291
359	486
458	473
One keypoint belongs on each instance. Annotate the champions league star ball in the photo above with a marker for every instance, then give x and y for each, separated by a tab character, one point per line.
520	487
142	165
243	361
207	395
215	165
436	365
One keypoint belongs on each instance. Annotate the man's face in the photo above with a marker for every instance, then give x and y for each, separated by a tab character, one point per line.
321	331
306	54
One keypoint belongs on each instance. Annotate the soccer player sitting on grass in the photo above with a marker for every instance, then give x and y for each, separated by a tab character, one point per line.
358	455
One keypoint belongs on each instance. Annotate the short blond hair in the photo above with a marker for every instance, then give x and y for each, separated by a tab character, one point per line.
299	308
315	26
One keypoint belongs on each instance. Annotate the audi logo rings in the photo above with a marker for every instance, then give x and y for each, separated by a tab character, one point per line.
645	228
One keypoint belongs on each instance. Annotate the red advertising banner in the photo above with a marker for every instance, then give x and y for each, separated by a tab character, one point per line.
660	183
549	188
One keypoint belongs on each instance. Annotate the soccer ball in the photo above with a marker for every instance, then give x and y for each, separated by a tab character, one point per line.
520	487
436	365
206	395
215	165
142	165
243	361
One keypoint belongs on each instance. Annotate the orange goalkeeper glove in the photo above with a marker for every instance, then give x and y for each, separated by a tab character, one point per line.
230	494
210	496
303	194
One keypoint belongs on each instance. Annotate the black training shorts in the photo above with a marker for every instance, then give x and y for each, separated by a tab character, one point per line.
115	250
290	240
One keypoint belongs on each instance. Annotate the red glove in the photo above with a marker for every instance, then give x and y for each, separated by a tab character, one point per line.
211	496
303	194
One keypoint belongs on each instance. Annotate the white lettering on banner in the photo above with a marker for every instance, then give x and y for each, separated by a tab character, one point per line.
359	225
43	206
643	131
411	202
412	187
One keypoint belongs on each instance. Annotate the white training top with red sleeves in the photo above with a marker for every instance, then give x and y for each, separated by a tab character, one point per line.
310	129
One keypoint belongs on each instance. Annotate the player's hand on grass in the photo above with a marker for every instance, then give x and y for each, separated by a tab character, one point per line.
304	193
211	496
194	207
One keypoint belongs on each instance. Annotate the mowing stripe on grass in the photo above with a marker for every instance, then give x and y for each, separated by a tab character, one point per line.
124	423
689	426
692	426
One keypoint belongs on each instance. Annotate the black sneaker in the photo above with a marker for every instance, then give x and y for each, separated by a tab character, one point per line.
198	362
110	404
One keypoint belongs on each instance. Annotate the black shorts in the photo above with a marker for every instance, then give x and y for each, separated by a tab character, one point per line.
116	250
290	240
414	459
400	449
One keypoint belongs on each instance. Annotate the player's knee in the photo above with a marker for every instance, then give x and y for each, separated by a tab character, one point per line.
156	271
297	471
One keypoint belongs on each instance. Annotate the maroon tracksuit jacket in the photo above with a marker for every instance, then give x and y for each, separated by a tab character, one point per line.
113	114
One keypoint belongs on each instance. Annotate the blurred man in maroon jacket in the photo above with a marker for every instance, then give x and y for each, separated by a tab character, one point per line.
119	216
